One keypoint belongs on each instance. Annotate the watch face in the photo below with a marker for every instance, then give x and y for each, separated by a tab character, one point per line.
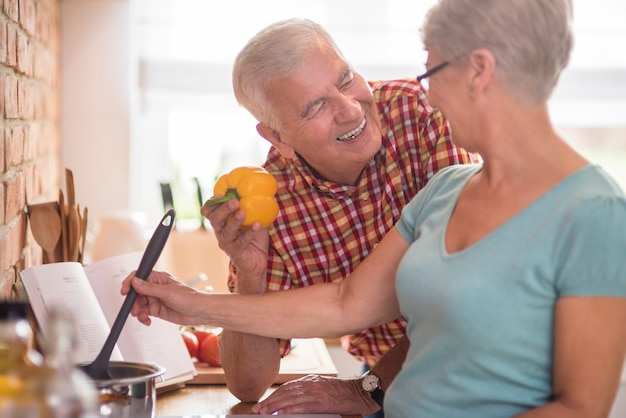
370	383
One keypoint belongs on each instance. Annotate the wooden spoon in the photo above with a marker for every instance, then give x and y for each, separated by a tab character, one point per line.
73	218
45	223
64	253
83	235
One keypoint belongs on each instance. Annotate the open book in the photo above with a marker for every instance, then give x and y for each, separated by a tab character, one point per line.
92	293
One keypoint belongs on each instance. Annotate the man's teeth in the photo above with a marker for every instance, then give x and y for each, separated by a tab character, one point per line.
353	133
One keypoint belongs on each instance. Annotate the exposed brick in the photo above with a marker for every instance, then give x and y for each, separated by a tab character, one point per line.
30	183
3	154
41	24
29	126
3	42
37	53
15	148
11	9
27	16
25	102
3	199
13	196
14	241
24	58
10	97
31	133
6	282
11	59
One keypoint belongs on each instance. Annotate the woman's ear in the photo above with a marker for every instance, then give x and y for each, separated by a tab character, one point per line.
274	138
482	66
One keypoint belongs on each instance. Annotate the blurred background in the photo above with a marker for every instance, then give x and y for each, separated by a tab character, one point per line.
147	94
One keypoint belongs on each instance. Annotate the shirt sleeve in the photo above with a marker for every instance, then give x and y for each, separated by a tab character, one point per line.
408	224
594	250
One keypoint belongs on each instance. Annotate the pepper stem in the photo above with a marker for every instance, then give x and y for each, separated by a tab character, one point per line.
230	194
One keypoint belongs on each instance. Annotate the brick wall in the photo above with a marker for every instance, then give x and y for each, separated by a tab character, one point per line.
29	126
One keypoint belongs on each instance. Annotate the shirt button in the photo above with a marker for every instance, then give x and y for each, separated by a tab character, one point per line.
364	196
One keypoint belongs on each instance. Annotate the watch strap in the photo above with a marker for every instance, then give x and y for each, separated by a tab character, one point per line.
378	394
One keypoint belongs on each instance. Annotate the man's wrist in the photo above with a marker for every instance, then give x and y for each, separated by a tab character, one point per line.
370	384
251	285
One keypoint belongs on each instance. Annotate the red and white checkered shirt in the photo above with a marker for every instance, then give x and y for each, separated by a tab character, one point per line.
324	229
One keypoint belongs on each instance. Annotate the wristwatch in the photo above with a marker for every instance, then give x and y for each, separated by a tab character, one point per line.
370	383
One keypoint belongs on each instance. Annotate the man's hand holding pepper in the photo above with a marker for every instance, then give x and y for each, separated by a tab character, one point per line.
243	205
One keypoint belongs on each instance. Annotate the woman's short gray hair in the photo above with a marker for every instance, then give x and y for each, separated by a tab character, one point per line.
530	39
271	54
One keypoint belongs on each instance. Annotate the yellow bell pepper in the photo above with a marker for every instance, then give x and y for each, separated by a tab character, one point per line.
255	188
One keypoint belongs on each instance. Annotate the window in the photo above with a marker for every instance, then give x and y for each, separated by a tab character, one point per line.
187	112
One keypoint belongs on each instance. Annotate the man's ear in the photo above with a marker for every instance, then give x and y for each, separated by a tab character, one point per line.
482	65
274	138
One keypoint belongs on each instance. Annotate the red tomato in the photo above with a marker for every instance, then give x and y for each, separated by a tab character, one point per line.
191	341
201	333
209	351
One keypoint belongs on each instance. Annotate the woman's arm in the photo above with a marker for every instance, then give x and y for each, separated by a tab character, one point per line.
590	345
366	298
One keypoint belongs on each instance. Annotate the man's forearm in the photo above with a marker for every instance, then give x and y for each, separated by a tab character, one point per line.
250	363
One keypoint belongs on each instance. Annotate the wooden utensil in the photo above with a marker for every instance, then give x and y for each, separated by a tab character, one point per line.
63	216
45	224
73	218
83	235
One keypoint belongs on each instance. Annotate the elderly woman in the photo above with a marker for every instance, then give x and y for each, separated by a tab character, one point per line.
523	312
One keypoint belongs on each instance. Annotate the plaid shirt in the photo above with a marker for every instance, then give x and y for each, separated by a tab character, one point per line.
324	229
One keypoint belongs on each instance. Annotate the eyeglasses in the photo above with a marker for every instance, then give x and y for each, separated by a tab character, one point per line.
424	77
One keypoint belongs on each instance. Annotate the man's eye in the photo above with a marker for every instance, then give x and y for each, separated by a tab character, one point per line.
347	82
317	109
314	110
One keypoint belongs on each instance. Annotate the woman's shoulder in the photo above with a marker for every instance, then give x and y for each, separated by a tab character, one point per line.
598	182
593	204
453	175
441	191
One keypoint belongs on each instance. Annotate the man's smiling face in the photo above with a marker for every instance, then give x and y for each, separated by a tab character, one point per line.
328	116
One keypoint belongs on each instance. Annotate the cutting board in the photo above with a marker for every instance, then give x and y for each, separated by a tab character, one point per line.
307	356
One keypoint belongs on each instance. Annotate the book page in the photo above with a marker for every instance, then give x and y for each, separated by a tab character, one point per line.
66	284
158	343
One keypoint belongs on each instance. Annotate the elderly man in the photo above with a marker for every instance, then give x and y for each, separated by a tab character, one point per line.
348	155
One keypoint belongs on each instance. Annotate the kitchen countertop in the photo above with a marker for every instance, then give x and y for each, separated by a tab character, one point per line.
208	401
307	356
208	397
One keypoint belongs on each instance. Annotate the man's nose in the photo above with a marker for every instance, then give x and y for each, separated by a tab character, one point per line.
347	108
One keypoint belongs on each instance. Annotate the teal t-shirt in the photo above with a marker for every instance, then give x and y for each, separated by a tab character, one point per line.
481	320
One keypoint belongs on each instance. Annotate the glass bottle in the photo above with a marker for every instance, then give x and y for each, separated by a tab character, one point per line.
21	370
69	392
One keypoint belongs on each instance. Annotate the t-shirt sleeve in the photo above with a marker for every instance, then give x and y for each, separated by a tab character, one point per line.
406	223
413	212
593	257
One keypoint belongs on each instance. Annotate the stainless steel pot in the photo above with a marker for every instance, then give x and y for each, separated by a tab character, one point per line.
131	391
